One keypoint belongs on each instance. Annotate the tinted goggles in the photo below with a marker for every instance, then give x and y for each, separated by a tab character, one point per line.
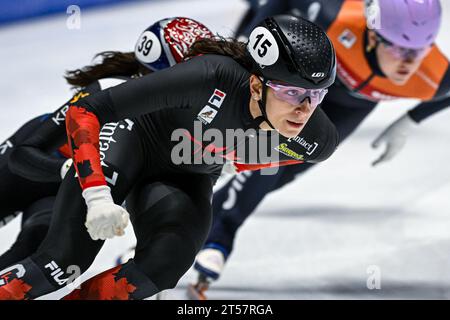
296	95
402	52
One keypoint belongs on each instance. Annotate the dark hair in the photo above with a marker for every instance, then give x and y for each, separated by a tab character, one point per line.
113	63
222	46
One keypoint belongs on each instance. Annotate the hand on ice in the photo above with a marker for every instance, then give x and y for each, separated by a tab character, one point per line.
394	137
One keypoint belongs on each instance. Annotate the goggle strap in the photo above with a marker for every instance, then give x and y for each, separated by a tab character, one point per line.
257	122
262	105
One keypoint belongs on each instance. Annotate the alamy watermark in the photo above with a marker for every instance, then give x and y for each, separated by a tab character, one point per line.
73	22
212	147
69	277
374	279
373	14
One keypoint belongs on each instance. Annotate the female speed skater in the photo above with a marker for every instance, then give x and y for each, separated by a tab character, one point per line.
385	50
271	83
38	155
37	167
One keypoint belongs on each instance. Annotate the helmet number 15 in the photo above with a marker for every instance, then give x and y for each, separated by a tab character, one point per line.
264	45
145	46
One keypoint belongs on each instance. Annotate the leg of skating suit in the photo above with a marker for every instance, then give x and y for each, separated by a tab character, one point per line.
235	202
68	249
171	219
35	224
17	193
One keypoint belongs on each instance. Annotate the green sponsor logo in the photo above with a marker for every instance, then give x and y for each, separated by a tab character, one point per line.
283	148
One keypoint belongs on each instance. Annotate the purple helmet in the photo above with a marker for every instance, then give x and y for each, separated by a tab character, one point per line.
407	23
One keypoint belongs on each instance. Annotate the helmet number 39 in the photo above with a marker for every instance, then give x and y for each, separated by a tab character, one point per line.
148	47
145	45
263	47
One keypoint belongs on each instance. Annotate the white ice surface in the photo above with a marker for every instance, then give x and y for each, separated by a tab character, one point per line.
316	237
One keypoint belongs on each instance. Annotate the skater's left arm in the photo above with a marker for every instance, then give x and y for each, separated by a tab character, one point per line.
396	134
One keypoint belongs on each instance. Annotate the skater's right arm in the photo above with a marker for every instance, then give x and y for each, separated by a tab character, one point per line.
38	158
397	133
186	85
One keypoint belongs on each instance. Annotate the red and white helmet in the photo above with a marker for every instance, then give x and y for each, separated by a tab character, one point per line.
167	41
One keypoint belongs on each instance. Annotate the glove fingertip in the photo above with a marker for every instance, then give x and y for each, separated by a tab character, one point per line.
379	160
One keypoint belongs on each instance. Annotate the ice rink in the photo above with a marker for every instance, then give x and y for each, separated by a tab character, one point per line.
318	238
